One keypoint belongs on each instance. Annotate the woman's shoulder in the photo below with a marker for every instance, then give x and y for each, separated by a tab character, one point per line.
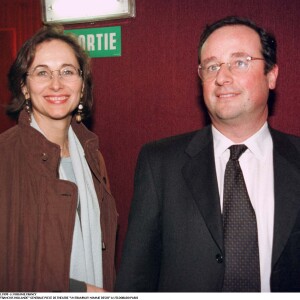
9	136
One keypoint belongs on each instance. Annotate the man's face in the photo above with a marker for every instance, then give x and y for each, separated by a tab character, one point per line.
236	99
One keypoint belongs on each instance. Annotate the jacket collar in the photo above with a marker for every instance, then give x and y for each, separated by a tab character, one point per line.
90	144
287	192
200	176
38	148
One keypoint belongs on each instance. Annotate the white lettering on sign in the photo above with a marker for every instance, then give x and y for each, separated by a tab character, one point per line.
90	43
112	41
100	41
81	41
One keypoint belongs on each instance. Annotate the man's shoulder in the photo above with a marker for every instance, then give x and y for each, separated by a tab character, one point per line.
170	141
280	137
287	146
177	143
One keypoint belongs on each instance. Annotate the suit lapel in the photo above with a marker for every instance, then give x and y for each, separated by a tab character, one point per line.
200	176
287	191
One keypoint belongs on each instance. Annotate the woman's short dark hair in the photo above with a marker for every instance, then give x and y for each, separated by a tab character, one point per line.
17	75
267	40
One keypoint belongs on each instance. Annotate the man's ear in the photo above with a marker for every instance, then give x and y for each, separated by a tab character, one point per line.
272	77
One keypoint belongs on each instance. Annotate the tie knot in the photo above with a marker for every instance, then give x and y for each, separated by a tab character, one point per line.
236	151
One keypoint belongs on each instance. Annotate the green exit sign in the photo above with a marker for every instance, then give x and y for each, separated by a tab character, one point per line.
99	42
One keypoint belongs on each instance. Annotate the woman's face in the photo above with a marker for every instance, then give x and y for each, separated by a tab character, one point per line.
53	97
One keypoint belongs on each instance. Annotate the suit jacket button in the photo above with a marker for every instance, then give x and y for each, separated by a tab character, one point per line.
219	258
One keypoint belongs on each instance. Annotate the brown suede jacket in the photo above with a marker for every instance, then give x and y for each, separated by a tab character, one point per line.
37	210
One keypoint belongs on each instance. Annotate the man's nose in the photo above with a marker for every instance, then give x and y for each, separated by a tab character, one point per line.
224	75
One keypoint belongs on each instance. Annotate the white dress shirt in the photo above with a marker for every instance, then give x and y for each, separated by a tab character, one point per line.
257	166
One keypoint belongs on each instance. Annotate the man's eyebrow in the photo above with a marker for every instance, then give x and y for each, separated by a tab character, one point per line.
234	54
238	54
211	58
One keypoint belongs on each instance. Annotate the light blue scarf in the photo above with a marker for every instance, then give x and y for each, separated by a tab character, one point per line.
86	257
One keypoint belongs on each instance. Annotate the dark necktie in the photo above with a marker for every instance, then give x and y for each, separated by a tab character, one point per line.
240	230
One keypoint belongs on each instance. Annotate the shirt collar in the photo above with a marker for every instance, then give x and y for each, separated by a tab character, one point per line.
258	144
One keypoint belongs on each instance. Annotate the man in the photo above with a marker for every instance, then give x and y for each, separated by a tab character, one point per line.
176	237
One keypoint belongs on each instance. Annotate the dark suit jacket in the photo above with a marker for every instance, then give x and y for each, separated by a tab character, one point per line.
175	241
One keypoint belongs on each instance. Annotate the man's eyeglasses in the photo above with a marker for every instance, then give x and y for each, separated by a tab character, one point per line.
44	74
237	65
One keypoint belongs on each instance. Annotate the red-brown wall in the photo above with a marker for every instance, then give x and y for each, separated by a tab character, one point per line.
152	90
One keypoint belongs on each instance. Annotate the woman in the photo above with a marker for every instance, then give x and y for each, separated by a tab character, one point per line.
57	215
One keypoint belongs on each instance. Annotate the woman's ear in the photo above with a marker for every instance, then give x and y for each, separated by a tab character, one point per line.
82	90
25	92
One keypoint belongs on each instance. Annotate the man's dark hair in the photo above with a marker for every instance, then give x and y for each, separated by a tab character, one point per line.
267	40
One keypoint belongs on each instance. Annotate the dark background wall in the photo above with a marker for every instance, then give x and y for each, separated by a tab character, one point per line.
152	90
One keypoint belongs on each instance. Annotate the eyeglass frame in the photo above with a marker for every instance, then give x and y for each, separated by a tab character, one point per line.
79	72
249	58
